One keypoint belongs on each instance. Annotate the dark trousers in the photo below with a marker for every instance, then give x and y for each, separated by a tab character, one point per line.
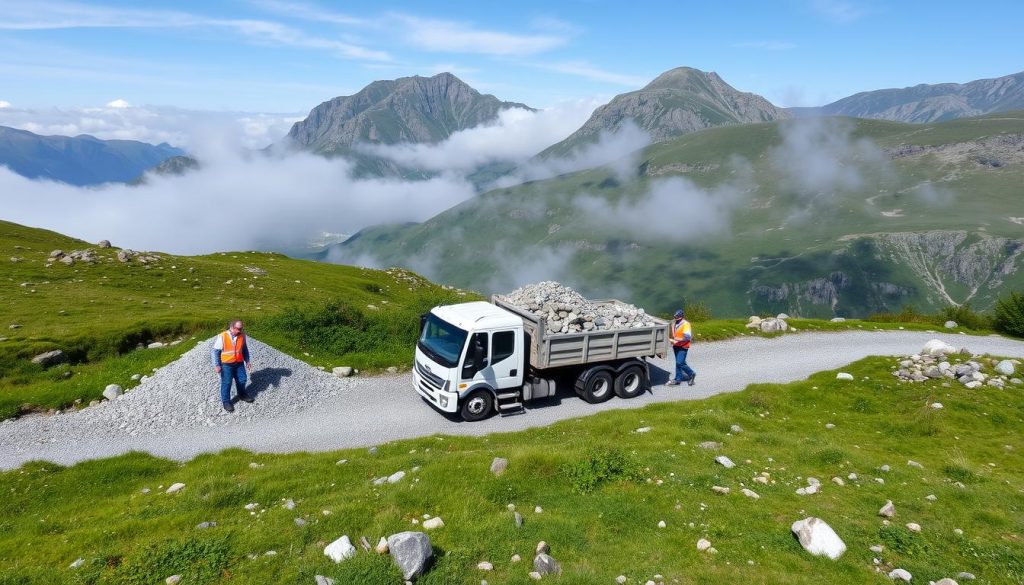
230	372
681	367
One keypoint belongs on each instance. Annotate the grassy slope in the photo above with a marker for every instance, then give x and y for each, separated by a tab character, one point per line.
766	243
98	314
50	515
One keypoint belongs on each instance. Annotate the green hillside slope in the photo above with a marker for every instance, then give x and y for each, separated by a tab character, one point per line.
824	217
98	313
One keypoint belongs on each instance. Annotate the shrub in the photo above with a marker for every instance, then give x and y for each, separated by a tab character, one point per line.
908	314
1009	315
697	312
963	316
602	465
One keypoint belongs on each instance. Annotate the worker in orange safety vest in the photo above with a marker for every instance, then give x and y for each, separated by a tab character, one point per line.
681	335
231	361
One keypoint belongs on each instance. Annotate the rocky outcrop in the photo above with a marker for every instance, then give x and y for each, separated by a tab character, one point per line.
409	109
678	102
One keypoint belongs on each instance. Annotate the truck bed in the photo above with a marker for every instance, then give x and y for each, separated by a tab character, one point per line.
555	350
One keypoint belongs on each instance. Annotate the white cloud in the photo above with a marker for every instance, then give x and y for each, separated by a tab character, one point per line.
433	34
589	71
48	15
515	136
282	203
819	157
5	104
308	12
195	131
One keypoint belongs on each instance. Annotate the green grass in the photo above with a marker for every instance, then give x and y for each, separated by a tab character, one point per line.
98	314
603	489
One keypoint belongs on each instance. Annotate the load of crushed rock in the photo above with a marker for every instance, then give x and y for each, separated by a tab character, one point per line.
567	311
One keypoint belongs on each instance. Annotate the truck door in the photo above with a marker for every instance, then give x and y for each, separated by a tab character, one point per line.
505	360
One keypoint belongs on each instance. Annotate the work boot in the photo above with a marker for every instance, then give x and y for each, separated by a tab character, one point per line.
246	398
229	407
691	381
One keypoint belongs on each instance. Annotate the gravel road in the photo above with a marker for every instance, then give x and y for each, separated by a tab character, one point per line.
176	413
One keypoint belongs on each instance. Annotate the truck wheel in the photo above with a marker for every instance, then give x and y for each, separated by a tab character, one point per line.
477	406
599	387
631	382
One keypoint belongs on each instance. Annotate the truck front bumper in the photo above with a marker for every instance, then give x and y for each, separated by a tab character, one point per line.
442	400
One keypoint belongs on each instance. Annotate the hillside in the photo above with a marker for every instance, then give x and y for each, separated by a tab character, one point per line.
677	102
80	160
929	103
405	110
816	218
98	312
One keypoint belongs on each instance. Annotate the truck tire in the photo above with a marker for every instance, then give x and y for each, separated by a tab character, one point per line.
631	382
598	387
477	406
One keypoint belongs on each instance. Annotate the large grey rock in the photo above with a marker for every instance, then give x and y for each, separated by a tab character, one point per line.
1005	368
50	358
342	371
545	565
818	538
725	462
888	510
901	574
411	551
773	325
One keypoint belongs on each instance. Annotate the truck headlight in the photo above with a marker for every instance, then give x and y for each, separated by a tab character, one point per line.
444	401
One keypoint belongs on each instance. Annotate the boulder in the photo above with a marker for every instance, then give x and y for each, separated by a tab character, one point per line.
342	371
50	358
104	244
773	325
1005	368
411	551
340	549
818	538
950	325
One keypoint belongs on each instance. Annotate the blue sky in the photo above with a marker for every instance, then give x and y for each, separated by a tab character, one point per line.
285	56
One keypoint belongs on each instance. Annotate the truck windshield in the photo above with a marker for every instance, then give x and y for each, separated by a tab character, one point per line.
442	341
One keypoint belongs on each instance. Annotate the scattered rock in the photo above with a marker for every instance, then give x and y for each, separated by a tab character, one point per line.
710	445
545	565
913	527
735	429
542	547
397	477
485	566
948	325
901	574
173	580
382	546
340	549
844	376
703	545
433	523
888	510
321	580
77	563
725	462
411	551
205	525
818	538
300	522
498	466
966	576
175	488
112	391
720	490
342	371
643	430
750	494
50	358
913	463
1005	368
518	519
155	345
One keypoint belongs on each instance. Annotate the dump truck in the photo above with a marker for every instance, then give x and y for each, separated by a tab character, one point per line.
481	358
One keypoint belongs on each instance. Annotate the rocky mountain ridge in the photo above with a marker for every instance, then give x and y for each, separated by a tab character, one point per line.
929	103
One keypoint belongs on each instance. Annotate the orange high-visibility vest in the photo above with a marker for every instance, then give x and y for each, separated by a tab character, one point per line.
232	352
678	331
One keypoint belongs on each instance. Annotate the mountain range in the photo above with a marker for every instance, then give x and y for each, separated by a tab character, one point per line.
929	103
81	160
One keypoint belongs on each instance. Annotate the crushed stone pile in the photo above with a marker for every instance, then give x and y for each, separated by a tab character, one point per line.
567	311
186	394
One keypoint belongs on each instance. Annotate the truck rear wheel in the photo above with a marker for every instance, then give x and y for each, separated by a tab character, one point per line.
598	387
477	406
631	382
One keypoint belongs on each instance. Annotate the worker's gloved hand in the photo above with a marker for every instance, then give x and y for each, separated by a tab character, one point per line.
216	369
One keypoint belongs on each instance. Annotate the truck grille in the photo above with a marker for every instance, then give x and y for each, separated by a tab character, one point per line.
429	378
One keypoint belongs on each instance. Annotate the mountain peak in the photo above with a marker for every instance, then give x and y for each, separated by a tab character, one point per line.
681	78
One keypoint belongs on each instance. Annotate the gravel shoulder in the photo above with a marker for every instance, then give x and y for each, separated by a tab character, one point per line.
176	413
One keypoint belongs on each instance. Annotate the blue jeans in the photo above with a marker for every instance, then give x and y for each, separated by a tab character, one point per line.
681	367
230	372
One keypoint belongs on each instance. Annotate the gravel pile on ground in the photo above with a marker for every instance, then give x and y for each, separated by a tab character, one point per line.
186	394
567	311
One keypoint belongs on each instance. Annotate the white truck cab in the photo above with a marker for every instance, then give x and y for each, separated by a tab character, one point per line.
477	358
